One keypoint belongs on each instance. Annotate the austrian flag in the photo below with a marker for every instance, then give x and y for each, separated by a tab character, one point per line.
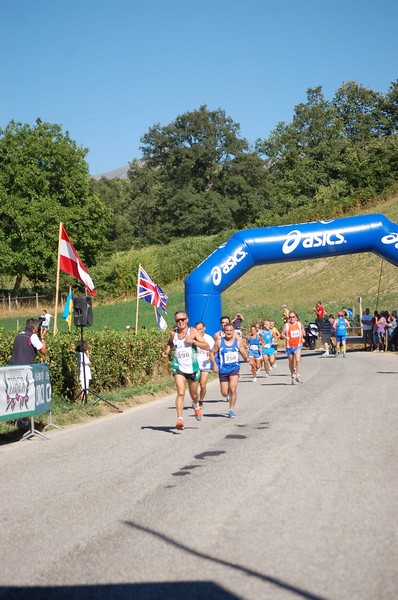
70	262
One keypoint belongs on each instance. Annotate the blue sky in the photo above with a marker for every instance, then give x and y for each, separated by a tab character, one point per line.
107	71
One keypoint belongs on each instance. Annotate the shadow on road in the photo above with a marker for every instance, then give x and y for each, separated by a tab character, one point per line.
265	578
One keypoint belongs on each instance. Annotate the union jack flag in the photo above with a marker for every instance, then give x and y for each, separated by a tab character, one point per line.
150	291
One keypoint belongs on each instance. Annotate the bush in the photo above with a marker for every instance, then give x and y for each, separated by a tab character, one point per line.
118	359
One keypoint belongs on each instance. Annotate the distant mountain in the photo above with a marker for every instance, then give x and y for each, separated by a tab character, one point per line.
120	173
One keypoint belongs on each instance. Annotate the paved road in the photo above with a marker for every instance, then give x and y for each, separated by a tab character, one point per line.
296	498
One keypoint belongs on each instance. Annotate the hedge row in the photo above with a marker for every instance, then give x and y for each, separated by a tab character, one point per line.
118	359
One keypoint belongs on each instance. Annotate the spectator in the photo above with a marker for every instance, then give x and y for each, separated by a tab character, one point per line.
237	323
325	329
366	322
341	325
85	377
27	344
333	342
45	319
393	332
319	310
380	332
285	313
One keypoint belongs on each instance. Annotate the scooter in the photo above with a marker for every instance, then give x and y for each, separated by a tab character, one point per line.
311	335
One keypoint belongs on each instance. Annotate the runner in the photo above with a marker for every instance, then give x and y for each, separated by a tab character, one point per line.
276	334
220	333
185	341
254	351
205	365
225	359
294	334
267	350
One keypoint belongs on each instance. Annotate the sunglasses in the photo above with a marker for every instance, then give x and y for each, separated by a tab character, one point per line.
292	316
182	319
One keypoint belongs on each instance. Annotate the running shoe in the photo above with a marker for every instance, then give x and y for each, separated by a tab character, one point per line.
294	380
180	423
227	397
200	403
254	379
231	414
298	379
198	412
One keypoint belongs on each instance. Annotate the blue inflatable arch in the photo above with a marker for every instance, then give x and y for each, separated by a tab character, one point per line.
267	245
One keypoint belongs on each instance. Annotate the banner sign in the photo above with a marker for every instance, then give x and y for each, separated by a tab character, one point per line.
25	390
43	394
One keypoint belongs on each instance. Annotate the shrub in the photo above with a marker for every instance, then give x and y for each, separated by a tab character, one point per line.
118	359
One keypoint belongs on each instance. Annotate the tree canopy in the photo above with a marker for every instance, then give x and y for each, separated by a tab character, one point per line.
197	177
44	179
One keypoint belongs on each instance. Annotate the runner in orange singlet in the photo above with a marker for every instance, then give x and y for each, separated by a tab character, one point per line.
294	334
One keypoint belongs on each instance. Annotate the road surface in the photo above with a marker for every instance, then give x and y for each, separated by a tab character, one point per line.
295	498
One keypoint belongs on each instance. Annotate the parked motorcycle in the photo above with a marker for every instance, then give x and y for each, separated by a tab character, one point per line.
311	335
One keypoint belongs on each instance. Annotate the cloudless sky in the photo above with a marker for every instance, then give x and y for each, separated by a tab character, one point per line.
108	70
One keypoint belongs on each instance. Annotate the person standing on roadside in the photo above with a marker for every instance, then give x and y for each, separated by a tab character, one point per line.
185	341
381	324
341	326
205	365
27	345
366	321
326	329
319	310
285	314
225	359
237	323
293	332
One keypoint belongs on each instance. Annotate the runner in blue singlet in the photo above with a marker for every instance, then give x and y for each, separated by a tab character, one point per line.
225	359
254	351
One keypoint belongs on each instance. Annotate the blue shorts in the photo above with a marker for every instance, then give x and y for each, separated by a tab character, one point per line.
293	350
268	351
253	354
341	338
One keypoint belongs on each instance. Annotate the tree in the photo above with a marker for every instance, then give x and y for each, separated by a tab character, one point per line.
115	194
44	179
197	177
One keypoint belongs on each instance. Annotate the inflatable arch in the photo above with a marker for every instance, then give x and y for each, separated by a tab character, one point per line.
267	245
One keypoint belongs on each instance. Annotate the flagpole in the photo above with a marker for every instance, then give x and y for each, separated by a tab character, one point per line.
138	291
57	283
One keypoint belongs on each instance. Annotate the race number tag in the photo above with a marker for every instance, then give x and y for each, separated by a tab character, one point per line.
295	333
231	357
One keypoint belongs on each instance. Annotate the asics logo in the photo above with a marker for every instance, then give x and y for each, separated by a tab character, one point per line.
390	238
308	240
227	266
